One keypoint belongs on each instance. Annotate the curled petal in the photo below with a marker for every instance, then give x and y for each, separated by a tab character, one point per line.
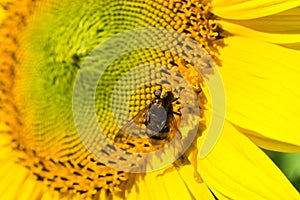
237	169
245	9
262	92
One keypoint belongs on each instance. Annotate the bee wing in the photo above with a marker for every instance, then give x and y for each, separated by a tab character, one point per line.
176	135
173	125
133	127
138	119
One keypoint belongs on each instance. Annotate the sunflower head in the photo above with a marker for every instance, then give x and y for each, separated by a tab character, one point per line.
117	99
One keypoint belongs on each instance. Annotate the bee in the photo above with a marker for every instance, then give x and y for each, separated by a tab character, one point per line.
157	117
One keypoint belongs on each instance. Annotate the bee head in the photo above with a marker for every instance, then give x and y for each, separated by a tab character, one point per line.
157	93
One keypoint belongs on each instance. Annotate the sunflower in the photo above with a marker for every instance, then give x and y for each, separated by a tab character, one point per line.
44	46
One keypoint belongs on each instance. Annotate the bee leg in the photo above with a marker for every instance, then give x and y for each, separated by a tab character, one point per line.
180	134
175	99
181	161
176	113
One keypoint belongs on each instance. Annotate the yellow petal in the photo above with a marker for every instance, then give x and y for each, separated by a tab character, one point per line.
152	186
239	30
140	189
287	22
1	14
198	189
245	9
262	92
169	183
173	184
14	180
30	189
295	46
238	169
